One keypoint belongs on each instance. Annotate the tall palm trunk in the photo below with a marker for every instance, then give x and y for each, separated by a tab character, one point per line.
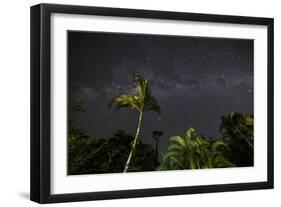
134	143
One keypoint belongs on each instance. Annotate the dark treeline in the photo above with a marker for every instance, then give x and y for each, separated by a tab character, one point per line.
87	155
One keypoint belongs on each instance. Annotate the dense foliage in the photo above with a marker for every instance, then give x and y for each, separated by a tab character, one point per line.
238	132
87	155
193	151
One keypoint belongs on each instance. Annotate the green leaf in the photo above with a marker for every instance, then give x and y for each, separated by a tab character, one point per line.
178	140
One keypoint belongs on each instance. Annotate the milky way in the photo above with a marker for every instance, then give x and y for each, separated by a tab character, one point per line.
195	80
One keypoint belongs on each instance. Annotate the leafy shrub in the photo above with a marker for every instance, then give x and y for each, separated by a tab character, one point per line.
193	151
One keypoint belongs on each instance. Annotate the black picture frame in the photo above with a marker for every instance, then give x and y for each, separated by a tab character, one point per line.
41	96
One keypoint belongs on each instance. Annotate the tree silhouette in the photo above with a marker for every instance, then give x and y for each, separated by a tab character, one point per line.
87	155
238	131
141	101
156	136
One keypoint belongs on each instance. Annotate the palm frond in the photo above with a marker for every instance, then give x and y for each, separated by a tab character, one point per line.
125	101
152	105
217	144
178	141
142	100
174	147
142	85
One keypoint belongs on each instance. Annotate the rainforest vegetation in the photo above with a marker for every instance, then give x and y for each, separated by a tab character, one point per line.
123	152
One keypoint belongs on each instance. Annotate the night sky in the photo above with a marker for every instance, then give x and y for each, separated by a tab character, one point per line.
195	80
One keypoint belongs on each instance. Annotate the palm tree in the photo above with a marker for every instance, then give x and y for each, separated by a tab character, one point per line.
238	126
141	101
193	151
238	131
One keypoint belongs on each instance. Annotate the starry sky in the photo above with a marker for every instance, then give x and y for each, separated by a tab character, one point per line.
195	80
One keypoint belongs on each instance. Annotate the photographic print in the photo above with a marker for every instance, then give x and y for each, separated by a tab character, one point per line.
130	103
147	102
